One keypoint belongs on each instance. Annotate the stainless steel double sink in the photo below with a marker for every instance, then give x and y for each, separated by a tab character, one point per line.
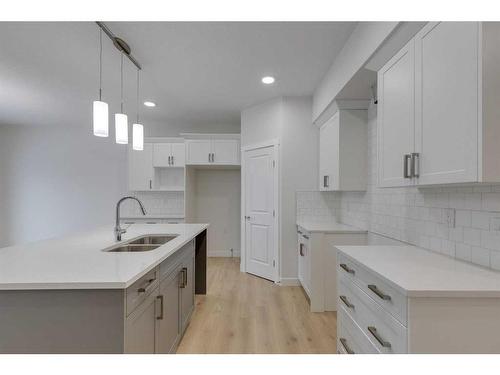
144	243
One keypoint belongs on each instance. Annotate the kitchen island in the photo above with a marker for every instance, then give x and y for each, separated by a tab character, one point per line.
72	295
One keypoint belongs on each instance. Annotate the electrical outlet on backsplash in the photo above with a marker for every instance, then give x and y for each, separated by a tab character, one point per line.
317	206
156	203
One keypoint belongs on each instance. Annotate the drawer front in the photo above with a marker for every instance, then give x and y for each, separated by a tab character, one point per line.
350	337
382	293
386	333
142	288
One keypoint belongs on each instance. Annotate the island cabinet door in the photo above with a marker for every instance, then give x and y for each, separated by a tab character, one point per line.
140	327
168	323
187	290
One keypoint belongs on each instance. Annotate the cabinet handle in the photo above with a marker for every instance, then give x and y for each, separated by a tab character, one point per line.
213	157
346	302
150	184
379	293
173	158
347	269
209	157
161	307
299	232
381	341
326	181
301	250
185	276
406	158
415	164
145	288
305	236
343	341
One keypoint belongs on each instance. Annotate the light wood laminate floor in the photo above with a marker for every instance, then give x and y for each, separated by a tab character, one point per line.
242	313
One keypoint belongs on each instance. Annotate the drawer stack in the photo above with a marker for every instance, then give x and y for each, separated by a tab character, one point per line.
372	315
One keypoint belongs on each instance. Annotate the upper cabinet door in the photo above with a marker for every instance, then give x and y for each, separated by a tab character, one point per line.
178	154
396	115
161	154
140	168
446	113
329	154
226	151
198	151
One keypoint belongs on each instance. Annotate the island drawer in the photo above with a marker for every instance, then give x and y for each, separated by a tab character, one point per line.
382	293
386	333
168	265
138	291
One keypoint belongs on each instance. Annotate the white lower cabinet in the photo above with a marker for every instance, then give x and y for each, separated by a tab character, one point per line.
158	311
376	316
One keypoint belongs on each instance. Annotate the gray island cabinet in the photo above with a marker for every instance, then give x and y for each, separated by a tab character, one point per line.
147	315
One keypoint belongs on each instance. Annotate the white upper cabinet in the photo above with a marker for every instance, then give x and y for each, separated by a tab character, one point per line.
168	155
395	116
198	151
453	134
446	92
342	151
140	168
208	149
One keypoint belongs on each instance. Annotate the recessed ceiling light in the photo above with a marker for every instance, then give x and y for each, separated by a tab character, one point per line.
268	80
149	104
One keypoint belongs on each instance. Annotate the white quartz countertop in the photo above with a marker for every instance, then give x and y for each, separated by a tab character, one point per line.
330	227
79	262
417	272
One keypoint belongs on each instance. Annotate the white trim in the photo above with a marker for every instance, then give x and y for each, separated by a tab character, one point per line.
275	143
255	146
164	140
210	136
224	254
289	281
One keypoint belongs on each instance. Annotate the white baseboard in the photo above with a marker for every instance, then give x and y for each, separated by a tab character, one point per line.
224	253
289	281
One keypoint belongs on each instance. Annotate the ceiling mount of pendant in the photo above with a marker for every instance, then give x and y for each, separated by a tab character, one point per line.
120	44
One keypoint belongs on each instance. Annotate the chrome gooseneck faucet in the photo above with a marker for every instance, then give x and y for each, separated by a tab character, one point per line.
118	230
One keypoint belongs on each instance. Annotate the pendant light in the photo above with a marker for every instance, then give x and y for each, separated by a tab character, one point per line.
100	108
137	128
121	120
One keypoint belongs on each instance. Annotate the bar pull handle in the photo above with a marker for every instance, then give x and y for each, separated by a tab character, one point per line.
379	293
150	184
160	298
415	164
343	341
301	250
185	276
347	269
381	341
406	173
346	302
305	236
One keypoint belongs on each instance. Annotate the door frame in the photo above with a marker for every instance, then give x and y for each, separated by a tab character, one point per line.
275	143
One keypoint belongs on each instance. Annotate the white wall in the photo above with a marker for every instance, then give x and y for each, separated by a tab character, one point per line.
289	120
217	201
58	180
363	42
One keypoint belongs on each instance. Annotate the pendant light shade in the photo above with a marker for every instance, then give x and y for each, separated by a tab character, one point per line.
101	125
138	137
100	108
121	128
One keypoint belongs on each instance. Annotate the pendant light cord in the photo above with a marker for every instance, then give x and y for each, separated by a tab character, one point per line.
137	98
121	84
100	65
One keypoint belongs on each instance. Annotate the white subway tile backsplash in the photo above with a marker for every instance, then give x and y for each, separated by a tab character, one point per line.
418	215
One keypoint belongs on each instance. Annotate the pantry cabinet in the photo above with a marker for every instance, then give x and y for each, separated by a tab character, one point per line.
437	117
204	149
342	151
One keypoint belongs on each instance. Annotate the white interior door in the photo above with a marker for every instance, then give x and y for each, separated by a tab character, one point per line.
260	244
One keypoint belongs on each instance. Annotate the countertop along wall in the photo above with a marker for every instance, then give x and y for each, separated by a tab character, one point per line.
289	120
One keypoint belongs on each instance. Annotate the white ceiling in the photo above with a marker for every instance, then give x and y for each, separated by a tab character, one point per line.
196	72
